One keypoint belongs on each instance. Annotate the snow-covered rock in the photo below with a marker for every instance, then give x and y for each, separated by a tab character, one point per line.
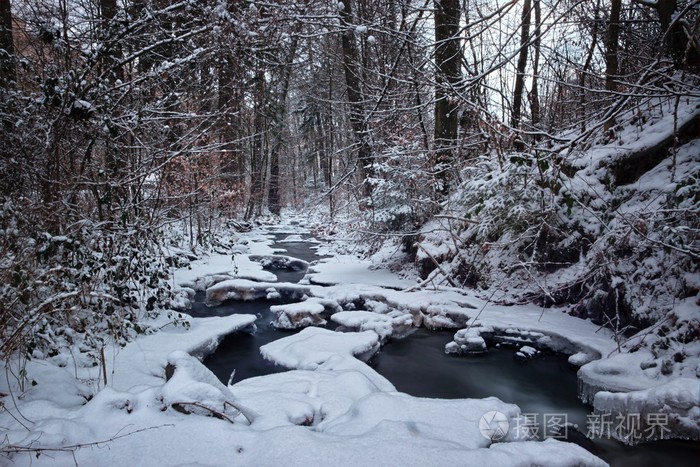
182	299
311	347
280	262
247	290
467	341
580	358
292	239
441	316
622	372
515	336
670	409
304	397
526	352
298	315
393	324
192	388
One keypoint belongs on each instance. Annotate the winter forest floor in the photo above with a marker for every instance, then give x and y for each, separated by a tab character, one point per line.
437	233
329	407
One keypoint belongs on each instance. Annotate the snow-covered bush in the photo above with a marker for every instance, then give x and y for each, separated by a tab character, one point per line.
402	190
584	227
89	285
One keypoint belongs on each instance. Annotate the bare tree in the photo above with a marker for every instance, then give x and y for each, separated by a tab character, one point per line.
7	59
537	43
612	39
448	61
520	68
680	34
358	119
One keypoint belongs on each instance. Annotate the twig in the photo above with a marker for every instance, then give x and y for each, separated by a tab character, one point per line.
456	218
437	265
419	285
247	413
103	361
12	448
215	413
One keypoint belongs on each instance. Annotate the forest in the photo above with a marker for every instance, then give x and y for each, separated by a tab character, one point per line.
538	152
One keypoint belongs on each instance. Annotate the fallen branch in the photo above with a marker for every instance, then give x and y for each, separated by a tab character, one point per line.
180	407
421	284
456	218
13	448
437	265
247	413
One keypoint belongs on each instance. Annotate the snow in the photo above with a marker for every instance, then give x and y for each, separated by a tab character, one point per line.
298	315
312	347
526	352
580	359
192	388
393	324
306	397
280	262
329	406
467	340
142	362
445	316
348	269
293	239
214	268
677	400
247	290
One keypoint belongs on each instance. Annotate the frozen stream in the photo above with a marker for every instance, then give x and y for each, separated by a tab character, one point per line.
417	365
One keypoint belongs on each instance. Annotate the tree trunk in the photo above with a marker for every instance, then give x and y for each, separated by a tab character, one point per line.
535	93
448	76
676	38
612	41
522	64
273	196
358	119
108	10
257	155
7	49
683	50
586	67
329	148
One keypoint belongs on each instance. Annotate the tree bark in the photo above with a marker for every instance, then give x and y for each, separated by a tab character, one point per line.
587	67
7	49
448	76
676	37
257	155
535	93
273	194
612	41
358	119
685	54
108	11
522	64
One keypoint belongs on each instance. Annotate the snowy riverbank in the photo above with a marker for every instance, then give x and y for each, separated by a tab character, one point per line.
330	407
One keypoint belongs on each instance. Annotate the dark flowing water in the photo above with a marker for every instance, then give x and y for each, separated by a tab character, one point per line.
419	366
240	350
545	386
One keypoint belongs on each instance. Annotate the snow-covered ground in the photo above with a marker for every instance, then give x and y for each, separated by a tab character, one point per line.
330	408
